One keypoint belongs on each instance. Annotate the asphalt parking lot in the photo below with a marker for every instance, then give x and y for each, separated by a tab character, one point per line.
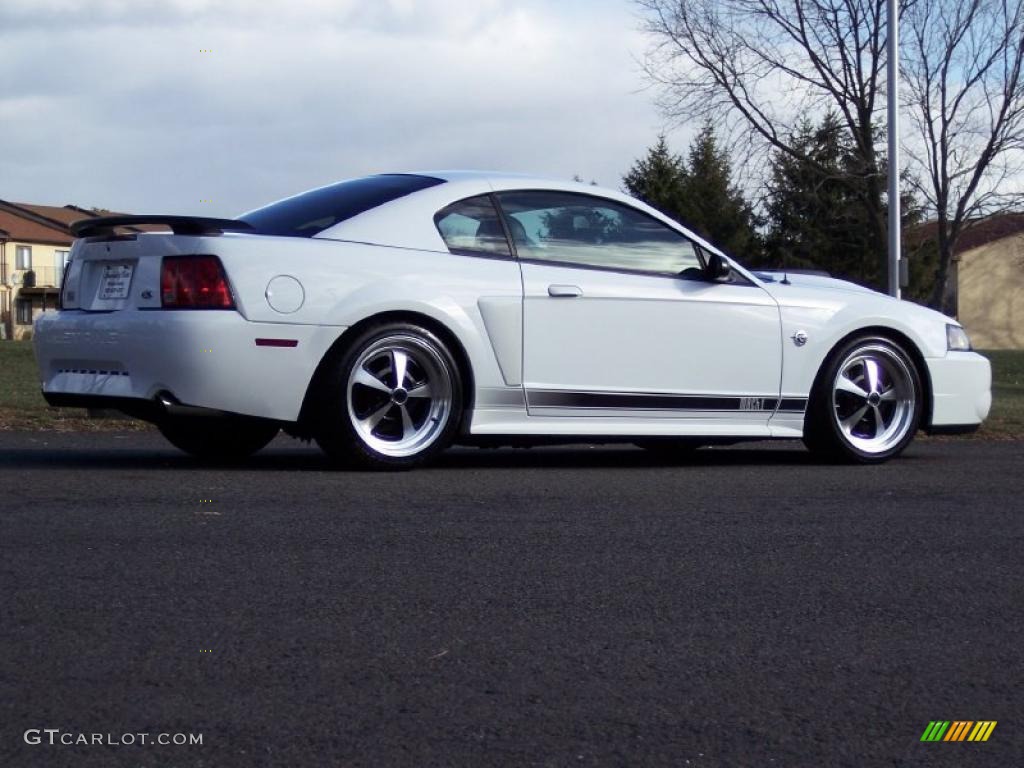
557	606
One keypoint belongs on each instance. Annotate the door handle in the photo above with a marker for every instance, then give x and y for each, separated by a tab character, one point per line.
565	291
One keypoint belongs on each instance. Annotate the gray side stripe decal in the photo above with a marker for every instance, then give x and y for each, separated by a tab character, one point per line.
538	398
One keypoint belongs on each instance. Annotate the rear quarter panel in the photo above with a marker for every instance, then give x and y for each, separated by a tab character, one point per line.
345	283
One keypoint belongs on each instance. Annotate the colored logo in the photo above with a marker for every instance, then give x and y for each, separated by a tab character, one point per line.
958	730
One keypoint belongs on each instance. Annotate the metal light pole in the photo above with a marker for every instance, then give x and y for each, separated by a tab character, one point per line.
894	151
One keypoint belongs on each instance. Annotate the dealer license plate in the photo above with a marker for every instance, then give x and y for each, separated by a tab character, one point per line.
115	281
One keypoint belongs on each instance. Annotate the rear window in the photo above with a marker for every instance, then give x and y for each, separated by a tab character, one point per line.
312	212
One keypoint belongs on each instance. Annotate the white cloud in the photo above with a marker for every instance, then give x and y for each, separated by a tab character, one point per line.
116	104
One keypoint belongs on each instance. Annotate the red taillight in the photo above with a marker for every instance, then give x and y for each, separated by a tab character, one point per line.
194	282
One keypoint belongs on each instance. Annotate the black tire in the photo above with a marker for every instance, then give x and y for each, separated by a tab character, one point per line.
218	439
844	426
412	428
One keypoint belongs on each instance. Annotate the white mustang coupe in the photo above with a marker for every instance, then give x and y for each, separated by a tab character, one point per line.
387	317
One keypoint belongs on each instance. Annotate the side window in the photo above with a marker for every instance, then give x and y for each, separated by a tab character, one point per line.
592	231
472	226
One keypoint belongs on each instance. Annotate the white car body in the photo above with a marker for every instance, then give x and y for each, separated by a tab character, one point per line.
632	355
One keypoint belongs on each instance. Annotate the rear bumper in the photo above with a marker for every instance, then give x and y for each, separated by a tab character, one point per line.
961	392
147	410
206	359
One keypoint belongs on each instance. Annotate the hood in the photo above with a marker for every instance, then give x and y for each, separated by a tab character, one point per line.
819	290
814	282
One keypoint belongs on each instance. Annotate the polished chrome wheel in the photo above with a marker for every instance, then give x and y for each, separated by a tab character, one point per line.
874	398
399	395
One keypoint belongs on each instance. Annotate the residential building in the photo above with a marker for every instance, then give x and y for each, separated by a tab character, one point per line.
33	251
988	271
35	242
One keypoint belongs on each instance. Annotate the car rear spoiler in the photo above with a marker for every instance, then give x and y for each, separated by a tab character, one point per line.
179	225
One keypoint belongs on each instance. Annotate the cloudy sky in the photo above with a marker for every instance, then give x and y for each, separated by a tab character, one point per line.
161	105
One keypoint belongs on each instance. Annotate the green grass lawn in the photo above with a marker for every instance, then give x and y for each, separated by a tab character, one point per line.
22	407
1007	416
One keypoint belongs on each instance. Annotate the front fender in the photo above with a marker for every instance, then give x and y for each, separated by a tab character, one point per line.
827	322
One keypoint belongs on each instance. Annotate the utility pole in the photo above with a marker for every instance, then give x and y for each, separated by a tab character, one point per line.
894	150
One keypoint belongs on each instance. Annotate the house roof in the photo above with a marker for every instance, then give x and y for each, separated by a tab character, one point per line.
65	215
77	213
979	232
51	224
989	230
26	230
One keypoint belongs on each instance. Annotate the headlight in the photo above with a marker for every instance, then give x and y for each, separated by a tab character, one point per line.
956	338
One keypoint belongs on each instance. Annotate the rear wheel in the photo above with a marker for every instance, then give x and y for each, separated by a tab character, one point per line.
867	402
218	439
392	399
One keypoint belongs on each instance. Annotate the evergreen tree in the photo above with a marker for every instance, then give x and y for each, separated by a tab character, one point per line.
815	219
815	208
699	193
657	179
712	204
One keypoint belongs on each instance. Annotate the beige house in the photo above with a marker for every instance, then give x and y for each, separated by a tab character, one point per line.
35	241
988	270
33	251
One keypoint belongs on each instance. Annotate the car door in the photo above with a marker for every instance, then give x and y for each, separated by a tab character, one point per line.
619	321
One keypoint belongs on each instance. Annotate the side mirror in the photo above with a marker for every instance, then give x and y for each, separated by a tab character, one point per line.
716	267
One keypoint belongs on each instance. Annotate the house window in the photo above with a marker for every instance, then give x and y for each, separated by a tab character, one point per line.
23	257
23	312
60	261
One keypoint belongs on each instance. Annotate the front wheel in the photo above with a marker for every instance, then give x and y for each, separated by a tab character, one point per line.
218	439
867	402
392	399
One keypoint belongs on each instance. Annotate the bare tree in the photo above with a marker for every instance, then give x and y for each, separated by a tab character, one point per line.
961	63
763	65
